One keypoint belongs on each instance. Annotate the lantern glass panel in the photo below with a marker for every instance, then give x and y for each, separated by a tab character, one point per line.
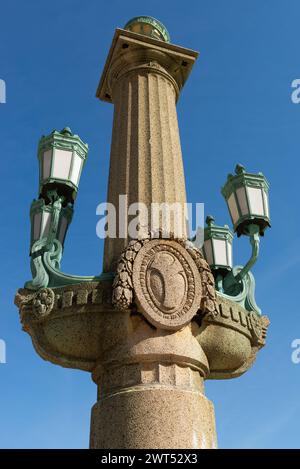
62	230
229	254
266	204
77	162
256	201
208	251
37	225
241	195
45	224
62	164
233	208
220	252
47	163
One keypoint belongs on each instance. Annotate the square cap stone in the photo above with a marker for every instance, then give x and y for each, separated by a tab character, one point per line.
124	41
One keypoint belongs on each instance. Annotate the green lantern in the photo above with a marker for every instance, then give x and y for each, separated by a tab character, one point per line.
42	221
148	26
246	195
217	247
61	159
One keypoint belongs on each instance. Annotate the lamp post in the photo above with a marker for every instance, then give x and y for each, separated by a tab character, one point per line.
217	249
153	326
217	246
246	195
61	156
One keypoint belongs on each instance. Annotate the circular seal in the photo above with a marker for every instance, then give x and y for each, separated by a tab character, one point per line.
166	283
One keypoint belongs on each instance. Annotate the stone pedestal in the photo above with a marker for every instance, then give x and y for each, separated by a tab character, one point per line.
160	415
151	393
150	380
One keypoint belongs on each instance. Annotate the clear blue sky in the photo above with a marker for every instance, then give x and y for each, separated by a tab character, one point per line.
236	107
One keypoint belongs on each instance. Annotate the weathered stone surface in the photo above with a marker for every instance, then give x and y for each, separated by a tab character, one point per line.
81	324
231	338
77	335
159	416
142	370
155	381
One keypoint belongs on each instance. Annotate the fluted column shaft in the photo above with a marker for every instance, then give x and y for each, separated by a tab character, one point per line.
146	160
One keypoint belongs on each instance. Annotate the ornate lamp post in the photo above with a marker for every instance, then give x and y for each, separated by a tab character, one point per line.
154	325
246	195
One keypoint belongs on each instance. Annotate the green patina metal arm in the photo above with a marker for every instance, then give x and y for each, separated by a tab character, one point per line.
239	284
232	280
46	255
254	240
244	293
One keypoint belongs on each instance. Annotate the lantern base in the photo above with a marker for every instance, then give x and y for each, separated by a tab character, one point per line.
243	227
66	191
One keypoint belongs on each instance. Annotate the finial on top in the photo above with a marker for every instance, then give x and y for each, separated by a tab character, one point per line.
148	26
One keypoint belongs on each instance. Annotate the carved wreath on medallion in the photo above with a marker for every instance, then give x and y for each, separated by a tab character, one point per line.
167	279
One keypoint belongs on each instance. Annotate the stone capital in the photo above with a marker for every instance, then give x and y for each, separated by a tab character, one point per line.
131	52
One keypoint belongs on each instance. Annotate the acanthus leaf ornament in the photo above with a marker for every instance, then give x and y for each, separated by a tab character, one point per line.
43	303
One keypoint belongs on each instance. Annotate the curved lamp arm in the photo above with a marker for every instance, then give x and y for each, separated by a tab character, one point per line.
254	240
231	280
46	254
57	206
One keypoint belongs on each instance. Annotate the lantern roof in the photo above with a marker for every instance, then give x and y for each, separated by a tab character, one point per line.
64	139
214	231
241	179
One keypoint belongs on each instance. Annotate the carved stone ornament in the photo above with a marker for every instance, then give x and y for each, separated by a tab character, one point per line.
259	327
122	297
167	284
43	302
35	306
167	279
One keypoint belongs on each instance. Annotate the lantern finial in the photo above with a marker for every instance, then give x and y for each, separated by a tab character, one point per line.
210	221
66	131
148	26
240	169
